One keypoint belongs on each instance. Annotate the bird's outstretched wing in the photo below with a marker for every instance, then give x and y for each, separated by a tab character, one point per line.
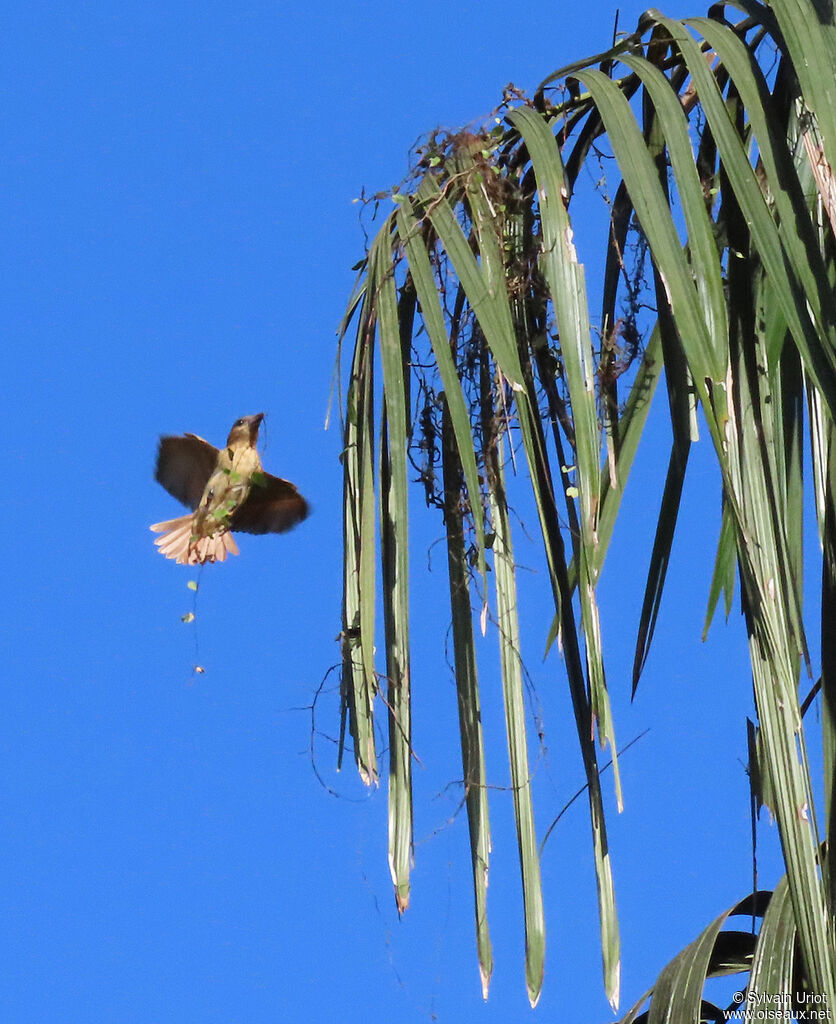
184	464
272	506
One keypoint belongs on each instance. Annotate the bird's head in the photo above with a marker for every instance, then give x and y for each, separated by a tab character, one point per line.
245	431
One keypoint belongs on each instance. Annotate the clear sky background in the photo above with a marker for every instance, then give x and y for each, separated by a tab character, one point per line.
178	236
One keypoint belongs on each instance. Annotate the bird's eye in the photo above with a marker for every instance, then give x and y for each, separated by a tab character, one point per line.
238	423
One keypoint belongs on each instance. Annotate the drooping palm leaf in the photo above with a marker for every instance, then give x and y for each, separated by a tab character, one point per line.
474	296
470	713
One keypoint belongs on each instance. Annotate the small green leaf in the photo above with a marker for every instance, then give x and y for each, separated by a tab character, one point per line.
222	514
259	479
192	584
571	492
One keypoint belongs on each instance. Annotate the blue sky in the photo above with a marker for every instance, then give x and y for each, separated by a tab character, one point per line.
176	201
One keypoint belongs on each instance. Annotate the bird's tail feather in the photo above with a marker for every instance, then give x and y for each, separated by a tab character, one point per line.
177	543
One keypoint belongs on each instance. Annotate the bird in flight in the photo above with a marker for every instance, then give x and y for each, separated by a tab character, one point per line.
227	490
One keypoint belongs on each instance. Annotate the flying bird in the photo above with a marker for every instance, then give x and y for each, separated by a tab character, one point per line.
227	490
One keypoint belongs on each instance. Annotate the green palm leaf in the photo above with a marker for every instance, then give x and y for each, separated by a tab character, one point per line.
473	298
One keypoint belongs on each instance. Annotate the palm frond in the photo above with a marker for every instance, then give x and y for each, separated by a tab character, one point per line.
475	300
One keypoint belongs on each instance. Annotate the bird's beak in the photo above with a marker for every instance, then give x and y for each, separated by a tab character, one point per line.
255	423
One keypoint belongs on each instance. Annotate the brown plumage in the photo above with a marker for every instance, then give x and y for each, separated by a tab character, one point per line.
227	490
